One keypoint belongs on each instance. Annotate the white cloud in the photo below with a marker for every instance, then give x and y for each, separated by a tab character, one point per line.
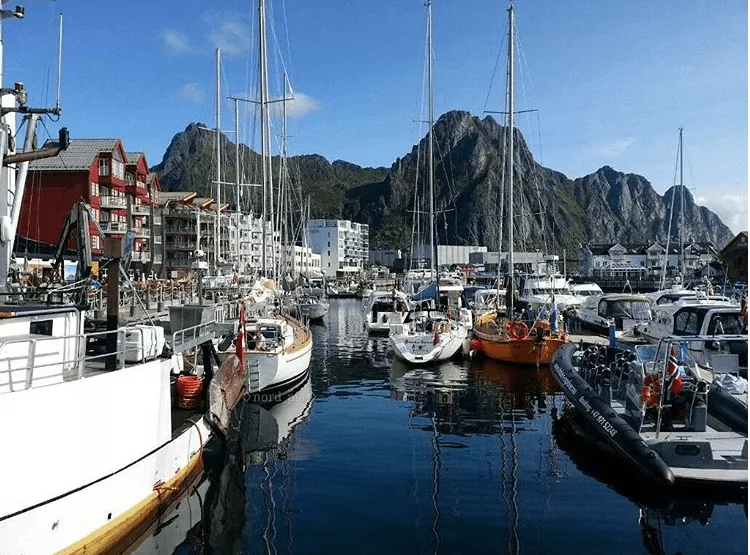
192	92
229	32
731	208
176	42
298	107
613	148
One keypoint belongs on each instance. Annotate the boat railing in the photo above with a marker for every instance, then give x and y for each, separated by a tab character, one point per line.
42	361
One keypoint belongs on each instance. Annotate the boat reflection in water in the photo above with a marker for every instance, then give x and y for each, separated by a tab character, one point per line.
667	522
213	517
457	402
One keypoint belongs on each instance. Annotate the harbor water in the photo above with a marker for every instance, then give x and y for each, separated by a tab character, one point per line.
373	457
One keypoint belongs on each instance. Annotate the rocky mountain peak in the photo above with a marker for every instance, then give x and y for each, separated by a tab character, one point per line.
552	212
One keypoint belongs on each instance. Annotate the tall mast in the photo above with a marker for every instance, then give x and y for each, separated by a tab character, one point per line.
237	176
682	214
217	226
430	161
509	157
284	204
265	134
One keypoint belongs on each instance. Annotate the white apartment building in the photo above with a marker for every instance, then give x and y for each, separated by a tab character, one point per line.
343	245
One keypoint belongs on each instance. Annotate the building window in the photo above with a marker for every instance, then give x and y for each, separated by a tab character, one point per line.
118	169
103	167
94	189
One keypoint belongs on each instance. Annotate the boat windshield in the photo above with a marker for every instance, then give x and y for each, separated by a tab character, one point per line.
549	291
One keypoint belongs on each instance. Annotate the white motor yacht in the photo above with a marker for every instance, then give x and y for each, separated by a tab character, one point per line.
384	308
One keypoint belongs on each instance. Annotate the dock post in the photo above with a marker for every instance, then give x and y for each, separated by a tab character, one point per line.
160	302
113	249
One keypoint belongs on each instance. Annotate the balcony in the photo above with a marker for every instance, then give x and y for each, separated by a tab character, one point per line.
114	227
143	232
117	203
140	210
179	246
158	259
140	256
186	230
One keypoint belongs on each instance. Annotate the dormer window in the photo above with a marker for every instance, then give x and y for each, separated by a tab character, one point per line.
103	167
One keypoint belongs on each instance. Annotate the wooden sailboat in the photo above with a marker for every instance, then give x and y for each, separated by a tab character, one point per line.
431	335
505	338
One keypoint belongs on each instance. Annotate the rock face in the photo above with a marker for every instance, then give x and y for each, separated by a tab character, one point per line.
551	211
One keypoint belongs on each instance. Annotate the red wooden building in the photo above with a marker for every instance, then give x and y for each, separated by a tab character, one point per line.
116	185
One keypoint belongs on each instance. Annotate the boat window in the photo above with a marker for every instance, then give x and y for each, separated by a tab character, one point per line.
41	327
686	323
726	323
603	309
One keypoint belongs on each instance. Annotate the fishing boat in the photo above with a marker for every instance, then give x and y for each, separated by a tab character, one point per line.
654	414
130	437
506	337
431	333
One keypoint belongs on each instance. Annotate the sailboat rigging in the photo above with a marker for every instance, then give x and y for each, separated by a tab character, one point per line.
430	335
507	338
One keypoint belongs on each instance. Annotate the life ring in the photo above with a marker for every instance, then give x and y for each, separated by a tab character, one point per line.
517	329
651	391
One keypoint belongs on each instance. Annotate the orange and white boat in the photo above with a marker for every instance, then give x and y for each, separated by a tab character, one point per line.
508	339
513	341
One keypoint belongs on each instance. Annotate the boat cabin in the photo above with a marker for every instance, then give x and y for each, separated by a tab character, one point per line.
624	310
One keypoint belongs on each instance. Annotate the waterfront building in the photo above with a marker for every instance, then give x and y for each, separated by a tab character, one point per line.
734	257
621	260
343	245
116	185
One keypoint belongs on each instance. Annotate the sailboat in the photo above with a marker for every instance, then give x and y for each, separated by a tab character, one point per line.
431	334
98	474
275	347
506	338
312	304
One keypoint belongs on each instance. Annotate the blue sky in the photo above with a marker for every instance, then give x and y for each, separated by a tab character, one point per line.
612	81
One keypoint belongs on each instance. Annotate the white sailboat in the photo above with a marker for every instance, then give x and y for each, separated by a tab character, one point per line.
430	335
276	347
99	452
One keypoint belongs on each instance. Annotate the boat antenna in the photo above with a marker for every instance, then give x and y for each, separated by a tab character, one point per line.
59	66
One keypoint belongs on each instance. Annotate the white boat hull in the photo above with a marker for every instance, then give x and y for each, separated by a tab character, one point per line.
277	370
314	311
112	447
426	347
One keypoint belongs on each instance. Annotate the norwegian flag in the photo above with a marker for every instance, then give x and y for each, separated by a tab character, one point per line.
674	380
672	364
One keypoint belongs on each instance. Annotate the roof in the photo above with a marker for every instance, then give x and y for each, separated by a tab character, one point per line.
602	249
79	155
180	196
203	202
133	157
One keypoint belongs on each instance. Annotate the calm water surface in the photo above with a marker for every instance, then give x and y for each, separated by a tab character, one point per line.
370	456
